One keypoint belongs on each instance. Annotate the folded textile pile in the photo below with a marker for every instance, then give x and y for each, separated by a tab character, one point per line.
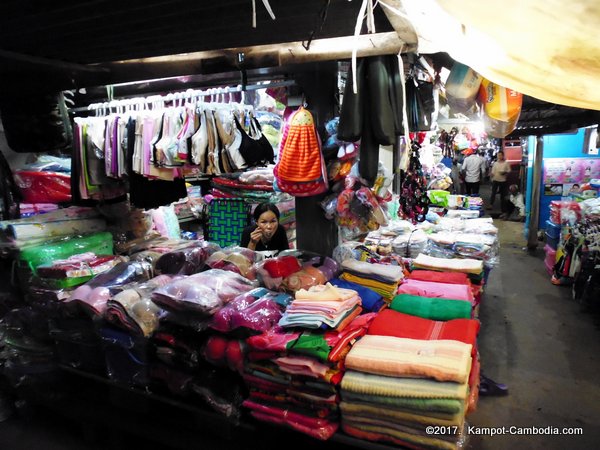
406	375
381	278
293	270
322	307
255	311
76	270
202	293
235	259
94	295
468	266
370	300
431	308
437	290
132	308
292	376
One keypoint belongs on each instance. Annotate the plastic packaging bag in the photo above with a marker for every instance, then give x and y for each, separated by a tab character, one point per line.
236	259
186	261
203	293
250	310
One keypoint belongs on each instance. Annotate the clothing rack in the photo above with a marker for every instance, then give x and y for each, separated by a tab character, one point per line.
178	97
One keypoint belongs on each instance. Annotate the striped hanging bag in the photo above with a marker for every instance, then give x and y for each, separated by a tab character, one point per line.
300	170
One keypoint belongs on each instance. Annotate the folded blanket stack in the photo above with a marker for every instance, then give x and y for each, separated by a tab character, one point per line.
473	269
294	372
381	278
406	374
323	307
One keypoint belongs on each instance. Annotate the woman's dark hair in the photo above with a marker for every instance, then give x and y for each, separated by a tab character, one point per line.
263	208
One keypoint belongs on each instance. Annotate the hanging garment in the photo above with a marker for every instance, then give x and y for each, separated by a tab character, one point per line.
255	150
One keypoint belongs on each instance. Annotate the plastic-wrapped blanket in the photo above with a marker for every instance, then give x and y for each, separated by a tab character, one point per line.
381	272
203	293
251	311
317	428
235	259
186	261
328	346
132	308
95	293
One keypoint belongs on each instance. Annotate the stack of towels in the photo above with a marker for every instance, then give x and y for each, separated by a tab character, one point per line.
293	375
381	278
406	374
323	307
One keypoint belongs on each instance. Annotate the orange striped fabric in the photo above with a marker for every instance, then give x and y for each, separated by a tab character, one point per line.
300	159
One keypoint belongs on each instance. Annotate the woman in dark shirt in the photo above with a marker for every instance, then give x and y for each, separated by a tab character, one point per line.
265	234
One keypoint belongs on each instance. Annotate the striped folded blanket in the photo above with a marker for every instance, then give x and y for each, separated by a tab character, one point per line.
466	265
403	417
370	384
442	360
444	408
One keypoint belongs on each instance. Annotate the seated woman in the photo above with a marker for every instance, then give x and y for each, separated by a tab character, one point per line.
265	234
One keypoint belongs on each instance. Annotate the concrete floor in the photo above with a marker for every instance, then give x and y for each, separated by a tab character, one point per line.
537	340
534	338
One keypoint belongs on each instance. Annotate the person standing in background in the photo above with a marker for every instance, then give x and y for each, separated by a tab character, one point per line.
500	169
473	168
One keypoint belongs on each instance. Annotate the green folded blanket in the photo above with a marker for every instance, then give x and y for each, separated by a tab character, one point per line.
444	408
431	308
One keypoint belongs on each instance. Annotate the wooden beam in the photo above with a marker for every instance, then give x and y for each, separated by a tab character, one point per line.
256	57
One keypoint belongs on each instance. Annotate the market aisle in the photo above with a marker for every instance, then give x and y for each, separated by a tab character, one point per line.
535	339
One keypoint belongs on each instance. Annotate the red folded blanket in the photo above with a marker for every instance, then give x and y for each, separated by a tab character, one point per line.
439	277
393	323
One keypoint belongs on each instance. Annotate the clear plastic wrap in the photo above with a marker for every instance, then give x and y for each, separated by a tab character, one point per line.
225	352
203	293
186	261
272	271
44	187
95	293
236	259
132	308
411	244
250	310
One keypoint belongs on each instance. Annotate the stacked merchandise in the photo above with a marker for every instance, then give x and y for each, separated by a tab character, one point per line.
45	182
474	270
19	233
294	270
576	253
406	374
381	278
295	368
188	360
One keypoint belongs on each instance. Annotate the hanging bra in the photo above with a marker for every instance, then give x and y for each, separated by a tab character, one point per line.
200	143
255	151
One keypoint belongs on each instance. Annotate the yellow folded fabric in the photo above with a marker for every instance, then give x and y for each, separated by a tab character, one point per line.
387	291
326	292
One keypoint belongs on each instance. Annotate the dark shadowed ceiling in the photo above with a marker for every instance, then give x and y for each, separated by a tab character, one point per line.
50	45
